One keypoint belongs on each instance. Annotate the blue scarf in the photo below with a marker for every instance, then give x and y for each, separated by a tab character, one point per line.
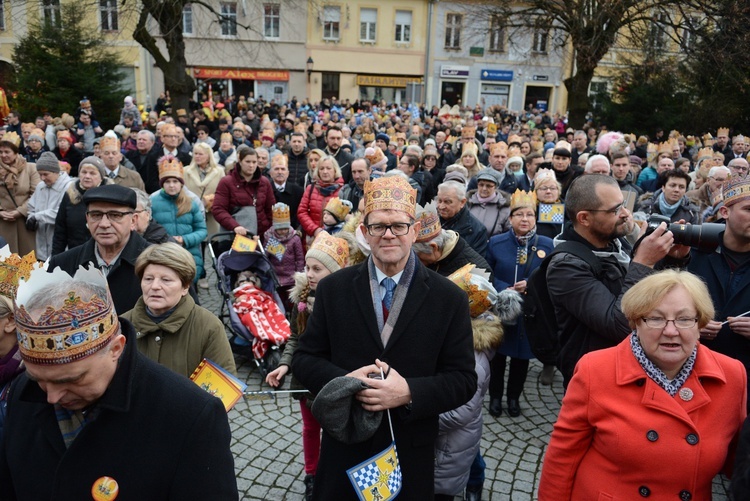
665	208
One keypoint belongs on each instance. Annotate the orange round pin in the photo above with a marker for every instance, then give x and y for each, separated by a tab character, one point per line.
105	489
541	253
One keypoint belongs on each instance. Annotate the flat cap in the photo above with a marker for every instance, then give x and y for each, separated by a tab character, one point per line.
111	193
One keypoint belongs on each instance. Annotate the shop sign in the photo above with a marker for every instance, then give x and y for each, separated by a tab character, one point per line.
497	75
385	81
540	78
452	71
229	74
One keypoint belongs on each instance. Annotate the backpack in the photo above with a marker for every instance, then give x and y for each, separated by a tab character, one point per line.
538	310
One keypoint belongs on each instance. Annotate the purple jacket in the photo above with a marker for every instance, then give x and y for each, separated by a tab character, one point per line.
285	254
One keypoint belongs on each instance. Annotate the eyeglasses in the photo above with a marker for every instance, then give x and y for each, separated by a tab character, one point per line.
523	216
738	169
614	210
397	229
114	216
548	188
660	322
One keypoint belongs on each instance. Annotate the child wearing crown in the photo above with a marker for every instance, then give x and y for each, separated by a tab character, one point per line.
335	214
285	250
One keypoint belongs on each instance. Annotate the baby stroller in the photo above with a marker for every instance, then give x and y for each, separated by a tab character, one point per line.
228	265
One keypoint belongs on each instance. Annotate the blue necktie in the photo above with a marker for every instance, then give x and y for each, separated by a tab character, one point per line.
390	286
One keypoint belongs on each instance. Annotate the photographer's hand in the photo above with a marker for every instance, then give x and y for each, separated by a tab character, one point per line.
654	247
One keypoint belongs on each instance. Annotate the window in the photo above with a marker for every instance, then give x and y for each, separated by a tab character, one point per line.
597	90
403	26
690	33
51	11
108	14
497	35
2	15
453	31
229	19
331	20
271	20
367	23
540	41
656	34
187	19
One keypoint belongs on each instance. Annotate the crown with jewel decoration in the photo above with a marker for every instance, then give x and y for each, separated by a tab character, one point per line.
281	215
429	222
13	268
390	193
58	328
735	189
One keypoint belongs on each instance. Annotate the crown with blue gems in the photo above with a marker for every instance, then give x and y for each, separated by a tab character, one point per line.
735	189
60	328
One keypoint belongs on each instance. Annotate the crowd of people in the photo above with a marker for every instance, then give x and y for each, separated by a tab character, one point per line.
405	240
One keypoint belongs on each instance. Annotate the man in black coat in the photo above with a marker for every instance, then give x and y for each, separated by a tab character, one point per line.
145	159
285	191
455	215
114	247
93	415
418	334
334	138
297	158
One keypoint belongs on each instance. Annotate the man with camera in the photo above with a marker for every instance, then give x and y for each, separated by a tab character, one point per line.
587	303
726	272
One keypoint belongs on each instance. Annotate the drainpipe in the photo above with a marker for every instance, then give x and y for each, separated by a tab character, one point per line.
427	79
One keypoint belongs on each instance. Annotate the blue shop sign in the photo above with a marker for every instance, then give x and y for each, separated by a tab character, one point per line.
497	75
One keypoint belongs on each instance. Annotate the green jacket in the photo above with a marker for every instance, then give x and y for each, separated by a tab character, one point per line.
190	334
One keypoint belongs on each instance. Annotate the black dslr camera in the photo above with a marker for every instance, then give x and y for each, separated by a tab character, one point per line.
704	237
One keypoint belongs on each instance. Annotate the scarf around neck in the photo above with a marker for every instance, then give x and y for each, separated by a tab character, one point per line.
665	208
671	386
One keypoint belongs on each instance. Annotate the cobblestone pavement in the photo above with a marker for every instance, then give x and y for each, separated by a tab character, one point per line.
267	444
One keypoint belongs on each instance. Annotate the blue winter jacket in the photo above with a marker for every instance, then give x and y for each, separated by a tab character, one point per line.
191	226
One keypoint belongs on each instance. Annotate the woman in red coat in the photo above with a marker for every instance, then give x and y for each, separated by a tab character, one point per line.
658	415
244	186
328	183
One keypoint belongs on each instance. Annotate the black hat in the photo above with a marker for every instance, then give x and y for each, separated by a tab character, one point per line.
111	193
561	152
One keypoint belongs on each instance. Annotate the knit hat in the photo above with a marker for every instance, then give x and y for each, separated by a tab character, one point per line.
96	162
37	135
384	138
341	415
169	166
332	252
390	193
338	208
430	150
635	159
457	173
48	162
68	329
413	137
281	217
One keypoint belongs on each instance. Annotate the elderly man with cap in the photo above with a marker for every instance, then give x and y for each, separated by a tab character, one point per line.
45	202
114	246
389	314
102	418
726	273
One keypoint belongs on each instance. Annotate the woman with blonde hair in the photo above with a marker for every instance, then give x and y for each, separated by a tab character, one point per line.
470	160
313	157
202	177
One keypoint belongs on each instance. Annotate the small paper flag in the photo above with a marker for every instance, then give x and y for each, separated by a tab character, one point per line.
214	379
551	213
244	244
378	478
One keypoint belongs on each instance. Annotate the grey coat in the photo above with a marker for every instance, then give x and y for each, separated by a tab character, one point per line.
494	215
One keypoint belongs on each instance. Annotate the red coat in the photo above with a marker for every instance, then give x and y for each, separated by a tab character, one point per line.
233	191
310	211
620	436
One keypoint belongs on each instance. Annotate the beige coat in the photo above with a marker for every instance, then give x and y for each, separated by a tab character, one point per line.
129	178
204	188
15	233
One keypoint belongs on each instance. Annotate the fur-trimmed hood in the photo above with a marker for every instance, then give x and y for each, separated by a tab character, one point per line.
488	332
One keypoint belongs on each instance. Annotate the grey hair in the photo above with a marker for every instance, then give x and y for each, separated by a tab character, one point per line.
414	148
425	247
459	188
150	135
143	199
592	159
718	169
397	173
56	294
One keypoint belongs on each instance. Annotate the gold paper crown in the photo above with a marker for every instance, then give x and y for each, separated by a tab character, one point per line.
281	215
390	193
13	268
331	251
544	175
707	137
707	152
523	199
735	189
537	146
375	156
674	134
368	137
469	149
339	208
280	160
738	138
226	136
15	139
469	132
723	131
67	332
109	142
27	127
667	147
181	112
429	222
479	295
514	138
169	166
499	146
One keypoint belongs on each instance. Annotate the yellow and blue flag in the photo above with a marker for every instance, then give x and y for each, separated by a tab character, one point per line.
551	213
377	478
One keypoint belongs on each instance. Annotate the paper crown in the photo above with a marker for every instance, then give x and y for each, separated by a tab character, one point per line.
15	139
279	160
705	153
27	127
68	330
13	268
169	166
475	282
109	142
515	138
736	189
301	128
667	147
429	222
226	136
331	251
375	156
674	134
468	132
338	208
181	112
469	149
499	146
522	198
722	131
401	135
281	215
738	139
390	193
543	175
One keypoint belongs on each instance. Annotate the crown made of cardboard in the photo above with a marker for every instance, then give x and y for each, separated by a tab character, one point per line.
68	330
13	268
468	132
27	127
736	189
469	149
339	208
707	152
475	282
226	136
169	166
390	193
667	146
515	138
522	198
331	247
674	134
281	214
15	139
543	175
374	154
429	222
738	139
722	131
500	146
280	160
109	142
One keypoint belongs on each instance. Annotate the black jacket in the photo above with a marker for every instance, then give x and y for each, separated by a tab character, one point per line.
292	195
297	167
461	255
147	167
157	434
124	284
470	228
70	223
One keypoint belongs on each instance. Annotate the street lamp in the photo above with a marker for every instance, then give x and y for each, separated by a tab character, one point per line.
309	68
